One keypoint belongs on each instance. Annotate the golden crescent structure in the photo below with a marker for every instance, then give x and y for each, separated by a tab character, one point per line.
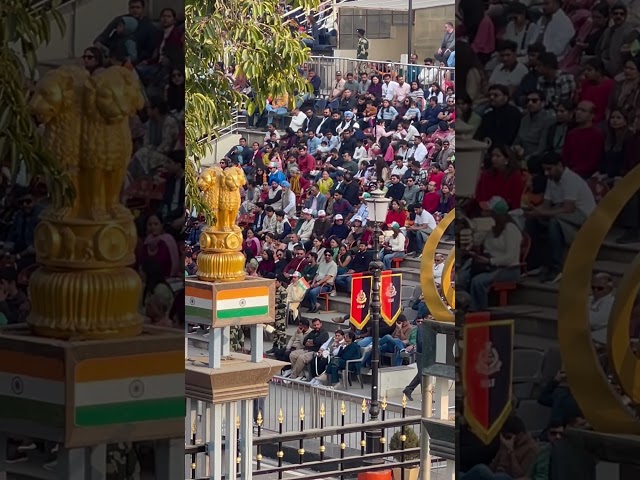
601	405
437	307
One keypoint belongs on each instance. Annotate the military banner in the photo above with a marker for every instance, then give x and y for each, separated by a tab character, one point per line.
360	310
391	297
486	376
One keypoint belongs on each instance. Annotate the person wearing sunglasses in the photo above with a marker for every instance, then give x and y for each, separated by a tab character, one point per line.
93	60
600	303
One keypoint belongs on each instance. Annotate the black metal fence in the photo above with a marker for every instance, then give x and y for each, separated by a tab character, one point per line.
322	452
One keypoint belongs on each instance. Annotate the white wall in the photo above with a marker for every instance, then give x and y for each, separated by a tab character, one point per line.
91	17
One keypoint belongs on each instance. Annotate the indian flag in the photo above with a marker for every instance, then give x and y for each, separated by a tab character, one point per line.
32	388
242	302
129	389
198	302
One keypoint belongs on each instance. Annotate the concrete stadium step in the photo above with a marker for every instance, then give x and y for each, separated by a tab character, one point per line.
615	252
532	320
531	291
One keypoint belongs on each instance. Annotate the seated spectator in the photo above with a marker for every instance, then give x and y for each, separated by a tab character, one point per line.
431	198
626	93
359	264
397	342
267	265
396	189
323	281
14	304
535	127
556	28
541	466
350	351
600	304
396	213
568	202
499	260
500	124
510	71
418	233
515	455
339	229
328	350
161	247
283	227
502	179
252	243
583	144
596	88
156	289
294	343
557	396
393	247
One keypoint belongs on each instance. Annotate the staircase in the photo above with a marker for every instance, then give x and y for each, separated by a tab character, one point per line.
534	304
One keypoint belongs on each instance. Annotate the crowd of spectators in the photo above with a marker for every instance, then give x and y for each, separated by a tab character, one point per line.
553	90
152	48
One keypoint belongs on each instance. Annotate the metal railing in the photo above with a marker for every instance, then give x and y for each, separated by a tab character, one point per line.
326	68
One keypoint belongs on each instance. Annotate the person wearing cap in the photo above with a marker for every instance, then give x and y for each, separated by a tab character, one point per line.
393	247
339	229
304	228
275	175
316	201
362	50
274	195
320	226
418	233
350	122
499	260
356	230
288	200
336	91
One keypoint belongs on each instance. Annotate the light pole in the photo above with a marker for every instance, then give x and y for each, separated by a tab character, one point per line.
377	206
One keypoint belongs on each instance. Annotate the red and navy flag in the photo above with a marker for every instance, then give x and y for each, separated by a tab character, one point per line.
360	310
391	297
487	371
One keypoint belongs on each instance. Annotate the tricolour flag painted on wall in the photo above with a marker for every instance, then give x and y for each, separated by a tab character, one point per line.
198	303
129	389
242	303
391	297
360	309
32	388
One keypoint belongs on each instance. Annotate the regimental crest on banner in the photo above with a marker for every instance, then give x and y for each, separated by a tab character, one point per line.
360	309
487	372
391	297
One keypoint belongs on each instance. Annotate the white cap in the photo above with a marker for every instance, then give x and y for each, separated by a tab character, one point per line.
296	274
338	217
357	218
322	213
307	210
273	165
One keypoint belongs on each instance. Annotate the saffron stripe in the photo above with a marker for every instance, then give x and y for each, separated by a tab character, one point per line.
242	312
144	365
204	293
207	314
16	408
19	363
130	412
243	293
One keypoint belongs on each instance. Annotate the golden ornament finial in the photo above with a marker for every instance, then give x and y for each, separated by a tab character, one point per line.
343	408
301	414
280	416
364	405
221	258
259	420
383	405
238	422
322	410
86	248
404	401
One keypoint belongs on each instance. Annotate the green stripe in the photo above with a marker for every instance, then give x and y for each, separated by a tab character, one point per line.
243	312
198	312
17	408
130	412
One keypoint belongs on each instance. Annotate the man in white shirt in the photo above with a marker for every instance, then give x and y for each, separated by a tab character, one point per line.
568	202
271	129
297	119
323	281
288	200
438	268
600	304
399	168
419	232
388	87
306	227
394	247
402	89
412	131
510	72
555	29
418	151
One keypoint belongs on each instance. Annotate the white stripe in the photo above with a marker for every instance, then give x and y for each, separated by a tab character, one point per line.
199	302
262	301
128	389
31	388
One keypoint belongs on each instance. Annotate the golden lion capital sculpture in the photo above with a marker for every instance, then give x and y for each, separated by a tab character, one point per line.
221	241
86	287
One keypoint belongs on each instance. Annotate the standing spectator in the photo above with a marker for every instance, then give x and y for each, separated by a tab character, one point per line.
362	51
448	44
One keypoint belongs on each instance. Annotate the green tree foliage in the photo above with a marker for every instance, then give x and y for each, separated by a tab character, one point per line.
24	29
251	35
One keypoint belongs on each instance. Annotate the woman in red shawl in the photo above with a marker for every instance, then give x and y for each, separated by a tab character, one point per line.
161	247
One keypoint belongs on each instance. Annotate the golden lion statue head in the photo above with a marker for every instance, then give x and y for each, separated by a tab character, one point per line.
56	91
114	93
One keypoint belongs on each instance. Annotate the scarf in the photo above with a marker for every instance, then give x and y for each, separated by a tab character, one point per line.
172	246
295	185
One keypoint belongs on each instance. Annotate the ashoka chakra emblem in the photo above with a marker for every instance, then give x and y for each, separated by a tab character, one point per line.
243	302
136	389
17	385
192	301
